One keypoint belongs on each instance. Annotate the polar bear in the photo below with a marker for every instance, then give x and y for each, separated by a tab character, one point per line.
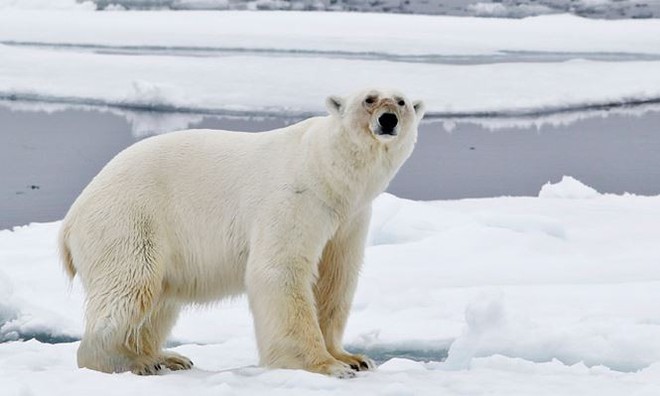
199	215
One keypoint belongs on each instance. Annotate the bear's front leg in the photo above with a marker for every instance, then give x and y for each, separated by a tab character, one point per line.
279	280
338	274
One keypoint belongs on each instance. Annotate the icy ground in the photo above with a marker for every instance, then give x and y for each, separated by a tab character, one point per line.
287	62
550	295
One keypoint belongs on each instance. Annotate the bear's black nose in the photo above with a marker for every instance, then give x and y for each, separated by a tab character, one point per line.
388	121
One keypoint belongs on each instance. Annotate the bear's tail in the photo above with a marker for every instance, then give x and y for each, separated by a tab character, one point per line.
65	253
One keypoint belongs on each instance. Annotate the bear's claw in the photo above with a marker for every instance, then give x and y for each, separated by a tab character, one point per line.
147	369
334	368
343	373
174	361
357	362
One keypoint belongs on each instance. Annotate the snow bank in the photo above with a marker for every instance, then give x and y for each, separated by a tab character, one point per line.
272	85
331	33
495	328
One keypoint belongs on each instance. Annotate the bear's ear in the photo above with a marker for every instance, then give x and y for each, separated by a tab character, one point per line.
420	109
335	105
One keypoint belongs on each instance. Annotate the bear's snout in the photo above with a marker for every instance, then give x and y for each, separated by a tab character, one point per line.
387	122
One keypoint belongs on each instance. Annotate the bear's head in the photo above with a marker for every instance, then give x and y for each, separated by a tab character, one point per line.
384	116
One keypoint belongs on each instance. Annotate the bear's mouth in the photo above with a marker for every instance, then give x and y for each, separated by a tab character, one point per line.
386	125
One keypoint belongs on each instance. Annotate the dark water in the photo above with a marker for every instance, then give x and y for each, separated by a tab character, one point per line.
382	353
48	154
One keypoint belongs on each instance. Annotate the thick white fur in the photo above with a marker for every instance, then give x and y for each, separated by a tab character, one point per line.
199	215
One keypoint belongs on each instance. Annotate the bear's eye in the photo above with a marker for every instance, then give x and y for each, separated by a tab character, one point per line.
370	100
402	103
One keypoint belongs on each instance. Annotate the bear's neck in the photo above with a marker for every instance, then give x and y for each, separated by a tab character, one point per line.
350	175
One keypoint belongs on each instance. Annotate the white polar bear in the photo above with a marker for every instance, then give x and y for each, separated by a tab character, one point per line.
199	215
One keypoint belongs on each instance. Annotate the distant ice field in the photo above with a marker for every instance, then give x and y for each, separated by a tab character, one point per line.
287	62
244	84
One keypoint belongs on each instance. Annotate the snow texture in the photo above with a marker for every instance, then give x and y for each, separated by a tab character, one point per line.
521	295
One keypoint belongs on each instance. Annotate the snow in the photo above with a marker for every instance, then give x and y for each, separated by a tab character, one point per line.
254	63
523	295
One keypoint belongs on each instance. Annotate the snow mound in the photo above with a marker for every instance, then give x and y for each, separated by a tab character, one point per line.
399	220
568	188
493	327
398	364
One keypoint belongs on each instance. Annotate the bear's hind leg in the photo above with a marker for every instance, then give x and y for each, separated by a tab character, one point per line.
118	336
113	340
100	349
